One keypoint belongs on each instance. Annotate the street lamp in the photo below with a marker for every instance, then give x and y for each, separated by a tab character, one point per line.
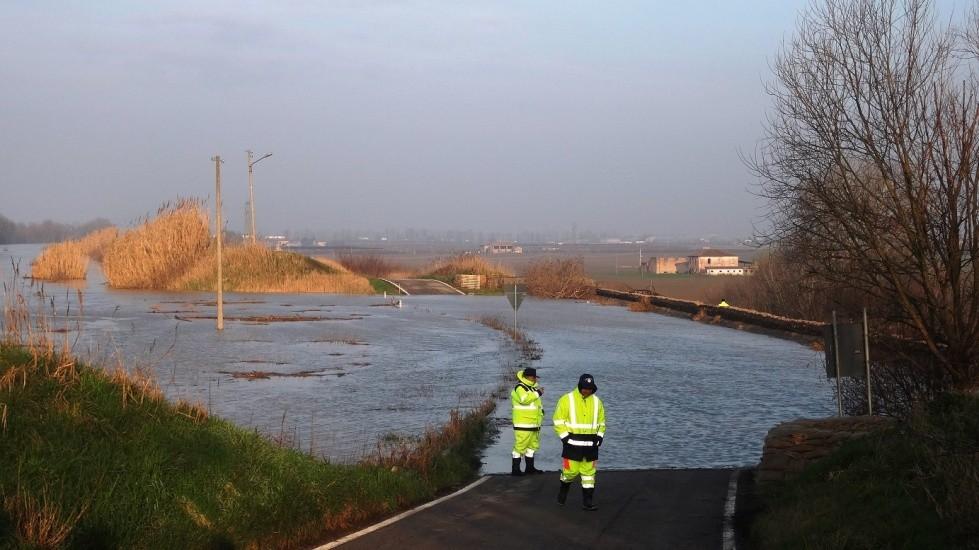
251	189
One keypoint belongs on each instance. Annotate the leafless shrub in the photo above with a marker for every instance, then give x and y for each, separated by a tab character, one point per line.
558	278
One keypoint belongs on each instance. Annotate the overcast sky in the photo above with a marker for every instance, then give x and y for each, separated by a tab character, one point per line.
617	116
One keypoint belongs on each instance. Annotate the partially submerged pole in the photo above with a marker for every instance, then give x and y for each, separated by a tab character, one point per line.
515	308
866	359
836	360
218	229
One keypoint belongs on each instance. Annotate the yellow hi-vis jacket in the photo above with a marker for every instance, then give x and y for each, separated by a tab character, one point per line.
580	423
528	410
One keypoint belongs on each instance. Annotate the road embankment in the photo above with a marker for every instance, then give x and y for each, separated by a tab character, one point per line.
732	316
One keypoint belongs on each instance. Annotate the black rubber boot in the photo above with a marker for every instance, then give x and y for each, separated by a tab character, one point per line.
586	504
515	471
562	494
530	467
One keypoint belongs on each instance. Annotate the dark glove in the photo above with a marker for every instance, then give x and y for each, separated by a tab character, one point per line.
540	391
565	438
600	439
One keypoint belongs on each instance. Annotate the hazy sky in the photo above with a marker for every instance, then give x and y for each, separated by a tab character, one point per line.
619	116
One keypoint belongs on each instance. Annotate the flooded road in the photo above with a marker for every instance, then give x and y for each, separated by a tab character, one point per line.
677	393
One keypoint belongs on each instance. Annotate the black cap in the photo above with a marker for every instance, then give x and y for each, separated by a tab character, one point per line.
587	382
530	371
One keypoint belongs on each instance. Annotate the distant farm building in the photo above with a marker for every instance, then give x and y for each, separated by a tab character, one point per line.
502	248
666	264
710	261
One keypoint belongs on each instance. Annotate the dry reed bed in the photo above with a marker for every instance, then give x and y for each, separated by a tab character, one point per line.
64	261
467	264
371	265
97	242
67	261
175	251
160	249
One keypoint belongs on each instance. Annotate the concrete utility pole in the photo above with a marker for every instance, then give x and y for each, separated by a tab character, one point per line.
218	229
251	190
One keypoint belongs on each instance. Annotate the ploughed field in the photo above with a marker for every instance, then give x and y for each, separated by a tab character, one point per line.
334	374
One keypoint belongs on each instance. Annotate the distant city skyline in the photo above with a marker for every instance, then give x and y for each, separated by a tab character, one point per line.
623	118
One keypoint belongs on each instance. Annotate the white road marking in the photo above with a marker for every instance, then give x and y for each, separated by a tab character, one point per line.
400	516
727	538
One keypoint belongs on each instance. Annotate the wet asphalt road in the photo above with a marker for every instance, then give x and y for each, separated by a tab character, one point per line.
419	287
651	509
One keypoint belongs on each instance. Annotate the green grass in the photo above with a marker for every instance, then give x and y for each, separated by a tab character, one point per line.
150	475
915	486
381	286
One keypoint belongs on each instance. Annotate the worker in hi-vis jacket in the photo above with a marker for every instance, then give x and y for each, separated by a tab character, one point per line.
528	414
579	420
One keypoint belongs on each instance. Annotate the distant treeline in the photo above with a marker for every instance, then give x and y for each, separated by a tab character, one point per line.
47	231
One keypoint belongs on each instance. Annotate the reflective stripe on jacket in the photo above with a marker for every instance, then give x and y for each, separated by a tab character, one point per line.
582	421
528	410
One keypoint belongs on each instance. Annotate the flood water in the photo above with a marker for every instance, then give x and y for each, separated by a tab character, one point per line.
677	393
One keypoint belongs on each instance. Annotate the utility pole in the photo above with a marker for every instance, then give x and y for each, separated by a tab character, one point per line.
219	229
866	360
251	190
836	360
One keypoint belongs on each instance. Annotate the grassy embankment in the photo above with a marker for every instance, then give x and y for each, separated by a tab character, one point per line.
445	270
98	458
915	486
174	251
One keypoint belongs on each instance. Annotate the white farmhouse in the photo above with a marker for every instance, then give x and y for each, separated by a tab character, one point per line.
710	261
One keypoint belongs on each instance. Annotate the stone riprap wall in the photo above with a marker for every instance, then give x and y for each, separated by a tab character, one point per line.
791	446
699	311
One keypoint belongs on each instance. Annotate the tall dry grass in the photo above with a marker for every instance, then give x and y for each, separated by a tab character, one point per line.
254	268
68	260
467	264
371	265
64	261
40	522
161	249
97	242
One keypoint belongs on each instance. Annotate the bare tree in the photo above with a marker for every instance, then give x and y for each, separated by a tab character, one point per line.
870	164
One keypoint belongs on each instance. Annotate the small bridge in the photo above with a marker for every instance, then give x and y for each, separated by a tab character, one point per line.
415	287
